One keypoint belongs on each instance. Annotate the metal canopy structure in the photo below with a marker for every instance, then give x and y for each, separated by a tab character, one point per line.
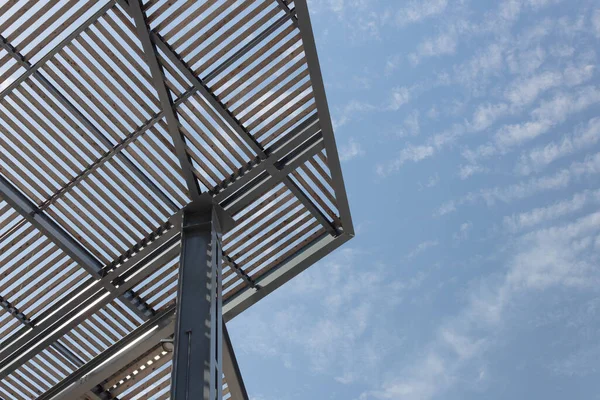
114	117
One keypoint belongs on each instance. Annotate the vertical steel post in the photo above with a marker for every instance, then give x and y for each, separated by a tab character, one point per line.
197	371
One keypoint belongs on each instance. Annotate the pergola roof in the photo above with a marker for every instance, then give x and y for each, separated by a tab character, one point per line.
113	116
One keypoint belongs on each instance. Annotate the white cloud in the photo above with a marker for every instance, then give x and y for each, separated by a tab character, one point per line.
432	181
574	76
529	219
519	94
351	150
463	231
526	61
560	256
409	153
482	65
524	91
538	158
443	44
546	116
416	11
350	110
412	126
486	115
421	247
466	171
400	96
513	135
347	338
392	64
564	104
557	255
525	189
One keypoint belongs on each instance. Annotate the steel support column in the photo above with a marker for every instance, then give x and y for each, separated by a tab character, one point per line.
197	356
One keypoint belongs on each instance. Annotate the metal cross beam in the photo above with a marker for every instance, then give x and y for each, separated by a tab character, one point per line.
116	149
290	12
87	302
281	274
150	333
312	59
139	17
25	321
208	95
31	69
84	120
287	149
58	235
84	380
282	148
241	131
156	41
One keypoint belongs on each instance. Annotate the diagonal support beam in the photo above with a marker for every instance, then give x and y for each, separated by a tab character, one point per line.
231	369
110	154
285	146
162	326
48	227
164	95
208	95
290	12
242	132
152	40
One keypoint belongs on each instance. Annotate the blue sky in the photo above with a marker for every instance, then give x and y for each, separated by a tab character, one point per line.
469	134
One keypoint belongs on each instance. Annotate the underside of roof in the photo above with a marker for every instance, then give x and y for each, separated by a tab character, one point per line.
113	117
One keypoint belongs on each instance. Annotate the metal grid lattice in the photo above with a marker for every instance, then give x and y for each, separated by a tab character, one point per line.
113	117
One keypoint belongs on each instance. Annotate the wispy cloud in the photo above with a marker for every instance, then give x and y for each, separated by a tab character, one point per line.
560	256
342	116
409	153
519	94
538	158
524	189
411	124
463	231
466	171
432	181
416	11
351	150
399	97
549	114
392	64
421	247
443	44
537	216
348	338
